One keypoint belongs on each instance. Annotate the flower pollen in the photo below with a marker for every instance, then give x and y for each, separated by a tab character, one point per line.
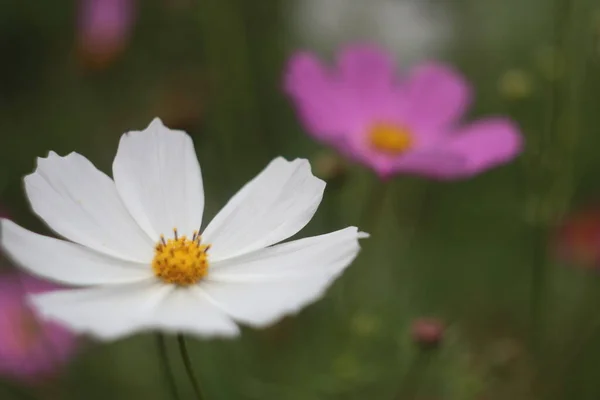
390	139
180	261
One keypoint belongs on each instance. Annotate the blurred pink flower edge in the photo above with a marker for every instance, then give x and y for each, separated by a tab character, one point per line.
340	106
30	350
104	28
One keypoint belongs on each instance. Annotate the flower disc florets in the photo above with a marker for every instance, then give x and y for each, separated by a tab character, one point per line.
180	261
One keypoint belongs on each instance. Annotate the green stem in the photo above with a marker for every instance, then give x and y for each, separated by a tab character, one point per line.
410	383
164	363
373	207
552	183
368	223
188	367
418	202
410	218
233	112
538	267
333	202
574	362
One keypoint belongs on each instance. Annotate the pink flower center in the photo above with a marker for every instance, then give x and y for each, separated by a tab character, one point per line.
390	139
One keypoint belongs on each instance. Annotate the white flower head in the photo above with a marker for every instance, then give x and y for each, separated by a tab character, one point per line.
136	249
411	29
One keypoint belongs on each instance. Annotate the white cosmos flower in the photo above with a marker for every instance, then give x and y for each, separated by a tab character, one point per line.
133	245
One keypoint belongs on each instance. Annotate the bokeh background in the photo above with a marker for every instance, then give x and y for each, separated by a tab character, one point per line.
507	261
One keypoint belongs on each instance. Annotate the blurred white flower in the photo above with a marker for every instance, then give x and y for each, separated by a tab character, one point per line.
411	29
141	261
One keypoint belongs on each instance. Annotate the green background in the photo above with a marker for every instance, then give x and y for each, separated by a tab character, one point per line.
477	253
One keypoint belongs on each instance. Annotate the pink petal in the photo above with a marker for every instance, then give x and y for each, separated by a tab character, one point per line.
105	24
471	150
487	143
367	74
367	68
437	96
430	163
30	349
316	96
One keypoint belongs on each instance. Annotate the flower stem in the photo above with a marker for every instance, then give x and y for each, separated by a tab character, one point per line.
369	217
577	353
374	206
164	363
409	385
538	267
188	367
233	91
552	183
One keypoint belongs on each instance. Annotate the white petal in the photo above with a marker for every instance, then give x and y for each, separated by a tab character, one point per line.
273	206
104	312
81	203
65	262
158	177
113	312
316	255
262	287
190	310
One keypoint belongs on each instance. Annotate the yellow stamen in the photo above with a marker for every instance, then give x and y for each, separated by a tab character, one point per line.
390	139
180	261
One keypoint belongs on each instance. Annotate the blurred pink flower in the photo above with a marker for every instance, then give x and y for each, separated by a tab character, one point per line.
577	239
104	28
30	350
427	332
397	124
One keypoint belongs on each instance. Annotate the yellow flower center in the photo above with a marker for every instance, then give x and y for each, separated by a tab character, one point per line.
180	261
390	139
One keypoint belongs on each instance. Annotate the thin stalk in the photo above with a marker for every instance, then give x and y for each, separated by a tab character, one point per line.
373	208
165	366
573	360
538	279
368	221
410	383
233	113
369	218
333	202
188	367
552	182
410	219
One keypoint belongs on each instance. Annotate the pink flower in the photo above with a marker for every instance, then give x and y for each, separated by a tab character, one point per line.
104	29
397	125
577	239
30	350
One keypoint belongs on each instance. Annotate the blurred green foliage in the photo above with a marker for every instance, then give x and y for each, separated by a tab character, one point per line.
476	253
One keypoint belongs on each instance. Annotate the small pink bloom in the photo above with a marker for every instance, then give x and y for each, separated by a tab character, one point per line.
397	125
427	332
30	350
104	28
577	239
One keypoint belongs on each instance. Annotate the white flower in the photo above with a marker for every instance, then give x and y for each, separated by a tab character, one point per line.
134	245
411	29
